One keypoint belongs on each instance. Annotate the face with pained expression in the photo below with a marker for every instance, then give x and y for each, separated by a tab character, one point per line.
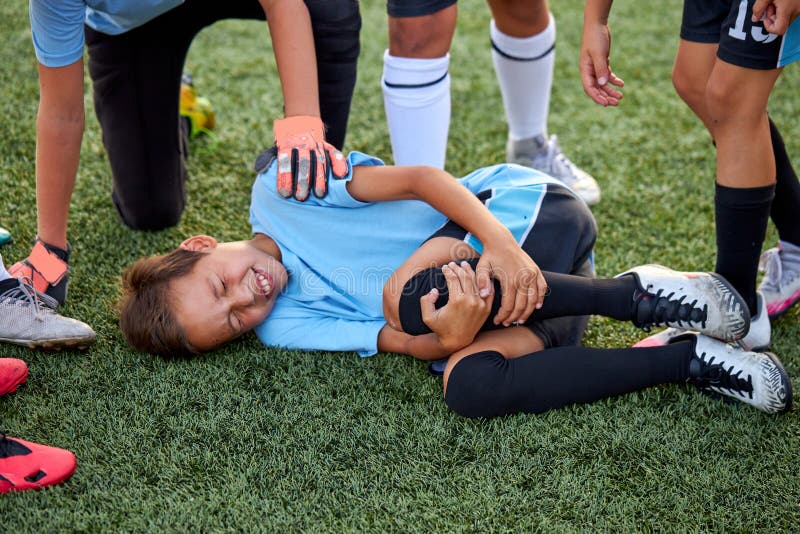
229	291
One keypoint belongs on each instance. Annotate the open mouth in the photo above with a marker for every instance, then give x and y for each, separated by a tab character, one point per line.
263	283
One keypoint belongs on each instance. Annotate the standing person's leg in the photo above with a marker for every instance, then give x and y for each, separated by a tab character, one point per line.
336	25
523	37
416	82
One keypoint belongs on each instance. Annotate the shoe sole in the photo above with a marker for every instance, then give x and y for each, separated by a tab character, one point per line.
737	332
781	377
783	310
52	344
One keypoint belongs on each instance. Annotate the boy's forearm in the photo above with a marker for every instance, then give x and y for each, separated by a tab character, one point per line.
423	347
293	43
597	11
457	203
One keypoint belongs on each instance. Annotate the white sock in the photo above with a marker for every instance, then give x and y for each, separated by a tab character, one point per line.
525	78
416	97
3	273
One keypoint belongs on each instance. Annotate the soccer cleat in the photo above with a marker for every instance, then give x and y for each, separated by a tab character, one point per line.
13	372
757	338
196	109
755	378
47	269
545	155
26	466
704	302
781	283
27	318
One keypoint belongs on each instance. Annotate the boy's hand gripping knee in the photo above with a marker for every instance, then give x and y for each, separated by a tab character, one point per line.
304	157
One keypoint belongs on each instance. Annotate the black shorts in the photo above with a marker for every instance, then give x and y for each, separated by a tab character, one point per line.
561	240
727	22
415	8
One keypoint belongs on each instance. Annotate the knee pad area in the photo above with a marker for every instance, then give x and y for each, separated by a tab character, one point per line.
477	385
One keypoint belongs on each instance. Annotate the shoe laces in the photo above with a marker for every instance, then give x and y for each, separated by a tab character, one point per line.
557	163
25	293
668	309
721	376
775	273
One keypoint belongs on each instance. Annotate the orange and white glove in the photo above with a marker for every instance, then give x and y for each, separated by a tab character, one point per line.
304	157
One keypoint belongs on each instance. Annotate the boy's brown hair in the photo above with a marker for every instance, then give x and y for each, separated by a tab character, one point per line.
146	316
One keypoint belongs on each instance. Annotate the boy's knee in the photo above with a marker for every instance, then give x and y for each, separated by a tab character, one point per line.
475	384
428	36
687	87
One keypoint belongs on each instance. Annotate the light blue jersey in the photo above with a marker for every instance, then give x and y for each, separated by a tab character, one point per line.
340	252
790	47
57	25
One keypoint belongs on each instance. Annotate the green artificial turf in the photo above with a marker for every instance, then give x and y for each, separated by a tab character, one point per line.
250	438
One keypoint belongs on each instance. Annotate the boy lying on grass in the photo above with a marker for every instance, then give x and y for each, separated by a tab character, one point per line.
409	260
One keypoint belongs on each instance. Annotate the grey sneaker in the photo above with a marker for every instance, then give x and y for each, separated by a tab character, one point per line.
755	378
781	283
27	318
545	155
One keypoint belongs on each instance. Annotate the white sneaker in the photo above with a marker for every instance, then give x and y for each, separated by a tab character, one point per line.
27	318
755	378
545	155
757	338
703	302
781	283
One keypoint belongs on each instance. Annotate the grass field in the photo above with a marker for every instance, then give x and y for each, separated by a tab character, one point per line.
251	438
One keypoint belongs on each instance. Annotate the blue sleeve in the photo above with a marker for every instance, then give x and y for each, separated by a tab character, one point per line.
319	332
57	31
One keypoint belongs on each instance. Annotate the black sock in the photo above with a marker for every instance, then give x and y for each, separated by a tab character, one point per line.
568	296
9	283
486	385
786	204
742	215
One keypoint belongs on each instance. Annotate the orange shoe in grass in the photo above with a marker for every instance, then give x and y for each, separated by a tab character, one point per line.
30	466
13	372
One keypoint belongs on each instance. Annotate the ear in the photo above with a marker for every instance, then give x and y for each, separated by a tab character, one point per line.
199	243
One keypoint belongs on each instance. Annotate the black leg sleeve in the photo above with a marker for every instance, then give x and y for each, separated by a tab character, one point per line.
568	296
786	204
336	25
487	385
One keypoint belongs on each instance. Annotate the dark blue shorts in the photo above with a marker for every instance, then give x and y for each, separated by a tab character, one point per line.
561	240
415	8
741	42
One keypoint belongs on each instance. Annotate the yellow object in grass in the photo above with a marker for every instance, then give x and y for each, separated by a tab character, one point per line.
196	109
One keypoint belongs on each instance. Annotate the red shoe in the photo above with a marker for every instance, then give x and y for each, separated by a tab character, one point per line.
47	269
13	372
26	466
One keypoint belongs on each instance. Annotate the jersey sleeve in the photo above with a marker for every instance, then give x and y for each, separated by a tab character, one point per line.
57	31
309	331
